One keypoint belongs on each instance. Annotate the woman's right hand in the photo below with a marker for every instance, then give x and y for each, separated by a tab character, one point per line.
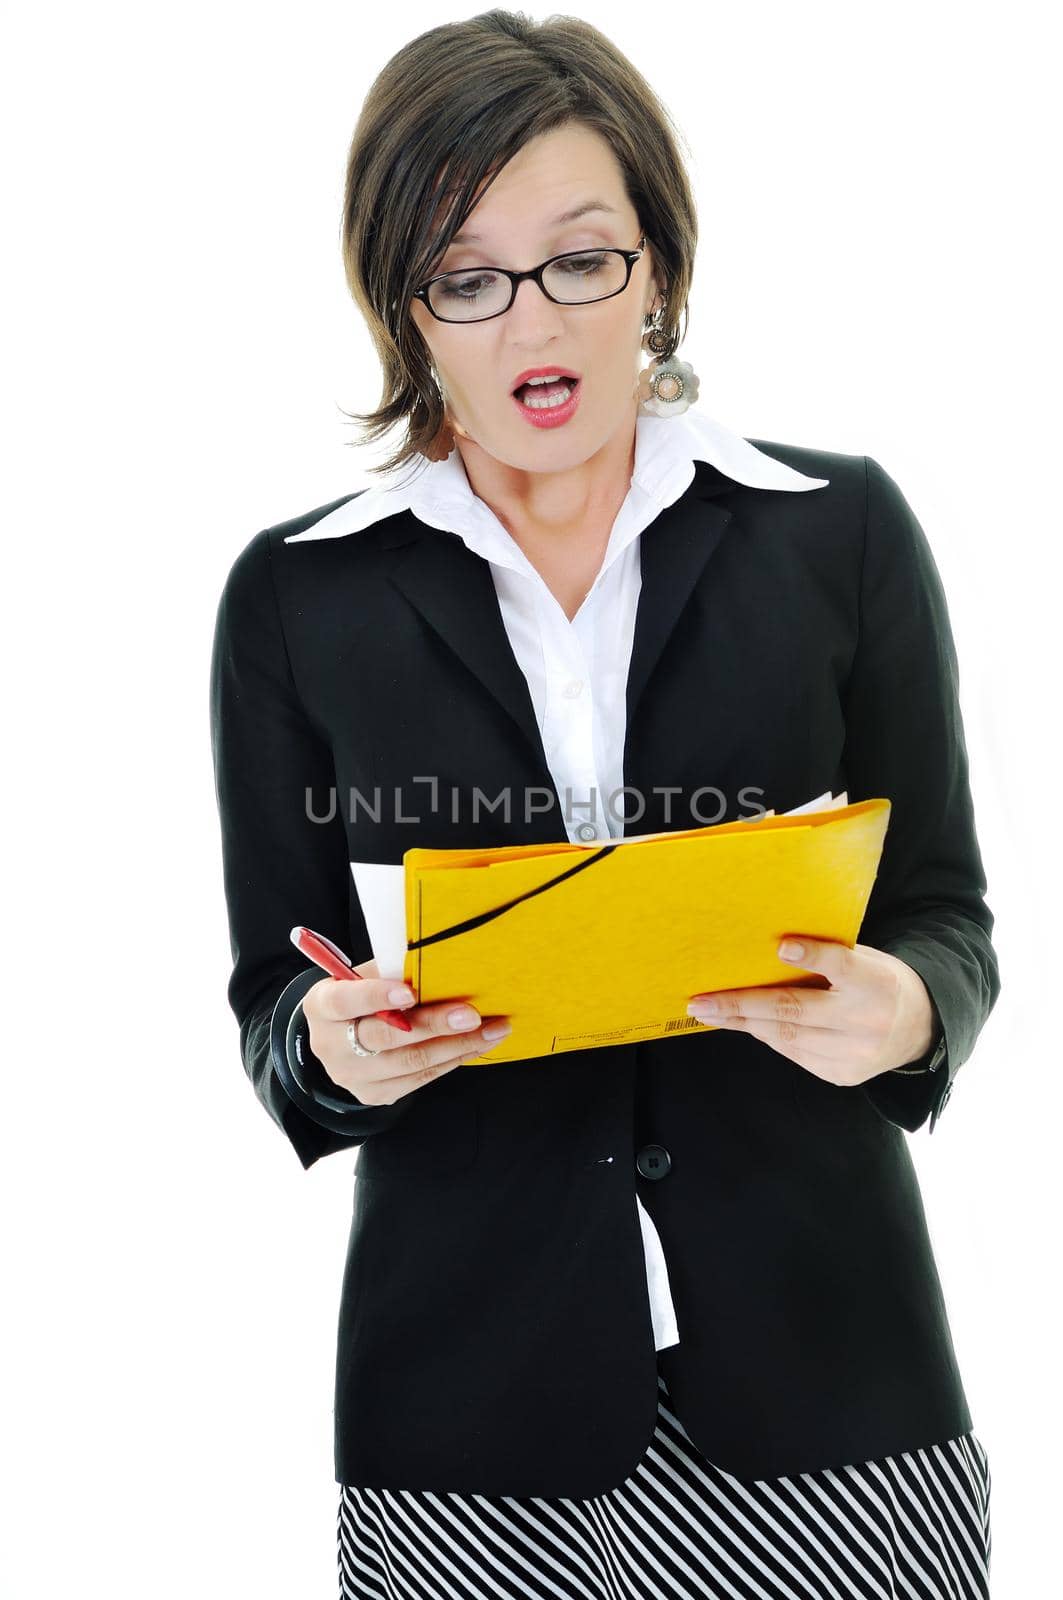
406	1061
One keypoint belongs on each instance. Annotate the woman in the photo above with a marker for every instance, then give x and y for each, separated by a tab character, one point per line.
744	1383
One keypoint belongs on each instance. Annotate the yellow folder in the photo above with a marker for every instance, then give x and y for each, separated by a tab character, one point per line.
588	945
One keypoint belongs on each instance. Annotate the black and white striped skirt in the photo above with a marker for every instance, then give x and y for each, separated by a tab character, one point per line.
914	1526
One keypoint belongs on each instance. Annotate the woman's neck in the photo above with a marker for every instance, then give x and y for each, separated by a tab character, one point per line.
560	520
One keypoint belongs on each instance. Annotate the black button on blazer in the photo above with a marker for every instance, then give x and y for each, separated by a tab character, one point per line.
494	1326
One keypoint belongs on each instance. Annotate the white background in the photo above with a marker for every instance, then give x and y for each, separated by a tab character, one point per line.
876	273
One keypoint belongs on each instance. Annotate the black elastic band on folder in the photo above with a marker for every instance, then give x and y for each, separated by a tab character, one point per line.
486	916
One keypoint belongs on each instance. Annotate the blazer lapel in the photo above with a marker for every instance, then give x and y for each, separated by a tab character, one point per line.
674	553
454	592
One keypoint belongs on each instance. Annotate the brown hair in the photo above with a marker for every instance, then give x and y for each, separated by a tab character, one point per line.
445	115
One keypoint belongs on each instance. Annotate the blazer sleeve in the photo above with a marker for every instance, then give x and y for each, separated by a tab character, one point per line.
905	741
281	865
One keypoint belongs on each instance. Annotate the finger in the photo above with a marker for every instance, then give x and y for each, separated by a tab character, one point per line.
846	1055
442	1019
783	1034
778	1002
341	999
385	1091
827	956
410	1066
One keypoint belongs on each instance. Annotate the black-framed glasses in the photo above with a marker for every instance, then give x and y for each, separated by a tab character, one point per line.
577	278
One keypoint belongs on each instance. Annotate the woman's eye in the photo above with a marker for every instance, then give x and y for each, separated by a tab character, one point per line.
582	266
467	288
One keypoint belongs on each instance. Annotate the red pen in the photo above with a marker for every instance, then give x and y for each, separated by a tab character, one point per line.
329	956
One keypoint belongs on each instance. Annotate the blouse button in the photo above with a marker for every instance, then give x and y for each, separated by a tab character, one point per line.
587	830
573	688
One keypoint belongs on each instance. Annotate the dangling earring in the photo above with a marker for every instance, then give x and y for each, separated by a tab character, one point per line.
442	443
665	388
440	446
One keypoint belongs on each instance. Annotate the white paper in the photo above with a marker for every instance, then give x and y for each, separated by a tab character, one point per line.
382	896
822	802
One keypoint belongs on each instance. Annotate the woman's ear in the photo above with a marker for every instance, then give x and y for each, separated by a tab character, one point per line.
660	296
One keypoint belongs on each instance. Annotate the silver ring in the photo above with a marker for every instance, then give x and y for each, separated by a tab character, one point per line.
354	1042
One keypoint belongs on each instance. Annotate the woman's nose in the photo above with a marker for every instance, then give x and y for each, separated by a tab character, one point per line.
532	307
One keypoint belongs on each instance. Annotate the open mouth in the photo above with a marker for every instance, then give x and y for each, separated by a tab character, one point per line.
548	404
546	397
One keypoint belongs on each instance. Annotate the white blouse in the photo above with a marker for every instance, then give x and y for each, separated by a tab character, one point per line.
577	671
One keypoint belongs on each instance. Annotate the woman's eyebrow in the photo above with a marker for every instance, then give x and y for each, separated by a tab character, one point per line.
558	222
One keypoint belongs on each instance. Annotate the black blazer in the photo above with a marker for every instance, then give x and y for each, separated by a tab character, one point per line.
494	1326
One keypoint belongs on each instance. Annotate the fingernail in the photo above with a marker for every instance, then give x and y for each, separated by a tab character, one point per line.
703	1008
791	950
400	996
463	1017
497	1030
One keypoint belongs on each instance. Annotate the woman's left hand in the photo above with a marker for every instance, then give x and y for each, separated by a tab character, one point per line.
876	1015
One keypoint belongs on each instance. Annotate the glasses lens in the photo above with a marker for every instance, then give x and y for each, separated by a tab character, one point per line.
466	296
590	276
